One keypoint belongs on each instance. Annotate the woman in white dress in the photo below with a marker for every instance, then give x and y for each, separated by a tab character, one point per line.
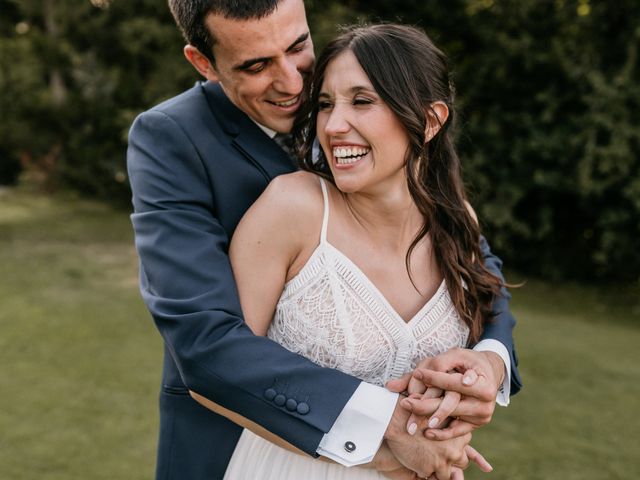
368	261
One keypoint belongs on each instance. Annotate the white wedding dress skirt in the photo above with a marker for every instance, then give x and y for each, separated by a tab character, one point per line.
331	313
257	459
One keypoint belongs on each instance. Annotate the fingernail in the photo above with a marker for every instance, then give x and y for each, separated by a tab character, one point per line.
434	422
430	435
412	429
417	374
467	380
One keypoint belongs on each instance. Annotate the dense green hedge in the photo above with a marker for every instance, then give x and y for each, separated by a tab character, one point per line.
111	63
548	98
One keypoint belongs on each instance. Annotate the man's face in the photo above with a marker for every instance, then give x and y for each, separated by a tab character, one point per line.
260	63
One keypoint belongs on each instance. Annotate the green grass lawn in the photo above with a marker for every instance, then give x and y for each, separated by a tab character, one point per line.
80	356
81	361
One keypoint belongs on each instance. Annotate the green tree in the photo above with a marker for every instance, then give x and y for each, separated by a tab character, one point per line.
85	70
548	109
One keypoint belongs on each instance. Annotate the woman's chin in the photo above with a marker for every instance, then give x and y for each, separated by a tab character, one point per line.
347	185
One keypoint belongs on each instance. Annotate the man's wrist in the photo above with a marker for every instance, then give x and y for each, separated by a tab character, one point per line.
494	346
497	367
362	424
398	423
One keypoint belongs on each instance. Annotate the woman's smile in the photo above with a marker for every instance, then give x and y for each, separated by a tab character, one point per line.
346	156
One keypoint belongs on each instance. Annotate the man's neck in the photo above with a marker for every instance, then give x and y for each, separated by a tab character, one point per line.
267	130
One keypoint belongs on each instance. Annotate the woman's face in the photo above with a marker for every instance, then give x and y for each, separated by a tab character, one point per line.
363	140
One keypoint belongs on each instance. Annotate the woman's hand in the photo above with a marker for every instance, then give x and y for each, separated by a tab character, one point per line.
470	382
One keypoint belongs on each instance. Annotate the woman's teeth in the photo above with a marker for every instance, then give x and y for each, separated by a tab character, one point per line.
347	155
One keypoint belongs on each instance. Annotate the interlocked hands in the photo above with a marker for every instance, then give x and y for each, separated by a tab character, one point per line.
449	396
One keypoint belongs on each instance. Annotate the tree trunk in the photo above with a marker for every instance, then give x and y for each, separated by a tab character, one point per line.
56	81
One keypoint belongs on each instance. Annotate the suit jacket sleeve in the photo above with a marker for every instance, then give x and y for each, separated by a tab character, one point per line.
188	286
501	328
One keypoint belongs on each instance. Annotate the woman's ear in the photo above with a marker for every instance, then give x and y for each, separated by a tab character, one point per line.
201	63
437	115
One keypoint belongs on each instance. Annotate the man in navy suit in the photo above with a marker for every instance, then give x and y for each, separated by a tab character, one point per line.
196	163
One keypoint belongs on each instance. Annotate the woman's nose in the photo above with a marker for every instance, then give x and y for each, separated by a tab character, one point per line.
337	122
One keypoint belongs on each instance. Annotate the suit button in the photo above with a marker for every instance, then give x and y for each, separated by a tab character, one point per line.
302	408
291	404
279	400
270	394
349	446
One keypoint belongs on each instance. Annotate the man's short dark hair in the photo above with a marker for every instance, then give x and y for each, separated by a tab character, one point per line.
190	16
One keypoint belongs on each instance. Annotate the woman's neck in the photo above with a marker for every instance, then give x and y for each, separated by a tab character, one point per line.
390	217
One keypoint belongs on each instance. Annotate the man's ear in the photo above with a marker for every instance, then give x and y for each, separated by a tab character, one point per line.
437	115
201	63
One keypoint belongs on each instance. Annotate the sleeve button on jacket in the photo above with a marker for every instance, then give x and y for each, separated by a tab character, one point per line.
270	394
302	408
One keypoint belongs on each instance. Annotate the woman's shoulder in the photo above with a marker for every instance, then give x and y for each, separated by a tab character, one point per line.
284	217
297	194
291	203
302	182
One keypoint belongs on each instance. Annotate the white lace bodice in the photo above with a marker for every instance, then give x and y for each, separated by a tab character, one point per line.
331	313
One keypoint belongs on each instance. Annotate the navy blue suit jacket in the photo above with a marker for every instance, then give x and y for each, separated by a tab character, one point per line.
196	163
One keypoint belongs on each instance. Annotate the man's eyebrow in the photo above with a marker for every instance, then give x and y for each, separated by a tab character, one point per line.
297	41
252	61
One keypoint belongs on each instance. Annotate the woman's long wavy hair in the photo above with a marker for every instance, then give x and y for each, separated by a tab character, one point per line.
410	74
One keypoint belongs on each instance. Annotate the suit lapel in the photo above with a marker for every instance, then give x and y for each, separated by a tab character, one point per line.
246	136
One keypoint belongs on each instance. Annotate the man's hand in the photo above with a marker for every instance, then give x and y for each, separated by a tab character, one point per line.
389	466
470	390
421	455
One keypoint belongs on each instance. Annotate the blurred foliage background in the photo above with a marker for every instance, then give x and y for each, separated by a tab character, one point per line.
548	98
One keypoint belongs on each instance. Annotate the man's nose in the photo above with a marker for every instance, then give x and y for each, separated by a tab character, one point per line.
289	79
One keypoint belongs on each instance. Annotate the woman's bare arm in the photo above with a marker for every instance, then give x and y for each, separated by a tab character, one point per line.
267	240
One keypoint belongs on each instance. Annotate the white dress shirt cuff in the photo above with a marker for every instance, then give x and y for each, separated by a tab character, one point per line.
491	345
357	433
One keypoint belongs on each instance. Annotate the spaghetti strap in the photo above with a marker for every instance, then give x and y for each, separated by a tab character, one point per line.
325	216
